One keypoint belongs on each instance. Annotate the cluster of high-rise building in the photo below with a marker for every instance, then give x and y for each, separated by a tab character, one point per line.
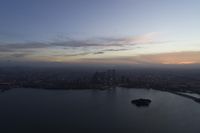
89	79
105	78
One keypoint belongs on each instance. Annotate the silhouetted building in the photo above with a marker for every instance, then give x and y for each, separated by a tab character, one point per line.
105	78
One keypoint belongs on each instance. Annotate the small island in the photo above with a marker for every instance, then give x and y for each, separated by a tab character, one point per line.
141	102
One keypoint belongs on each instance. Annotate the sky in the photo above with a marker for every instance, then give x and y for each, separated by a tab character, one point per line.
100	31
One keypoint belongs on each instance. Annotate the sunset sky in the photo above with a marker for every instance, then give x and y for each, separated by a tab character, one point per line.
100	31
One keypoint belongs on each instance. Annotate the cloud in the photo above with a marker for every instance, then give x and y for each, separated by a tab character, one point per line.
140	39
189	57
72	55
19	55
72	47
99	52
11	47
98	42
109	50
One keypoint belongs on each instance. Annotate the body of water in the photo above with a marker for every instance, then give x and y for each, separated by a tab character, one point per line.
96	111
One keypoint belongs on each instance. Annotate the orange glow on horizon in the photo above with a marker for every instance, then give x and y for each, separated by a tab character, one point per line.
176	58
180	63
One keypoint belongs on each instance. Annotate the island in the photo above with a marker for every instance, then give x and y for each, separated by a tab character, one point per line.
141	102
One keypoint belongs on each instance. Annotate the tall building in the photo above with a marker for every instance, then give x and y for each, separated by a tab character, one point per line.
105	78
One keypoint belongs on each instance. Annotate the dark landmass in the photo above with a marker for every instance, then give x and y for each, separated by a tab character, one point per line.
179	80
186	96
141	102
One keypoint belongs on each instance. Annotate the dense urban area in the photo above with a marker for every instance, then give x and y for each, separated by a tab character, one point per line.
53	78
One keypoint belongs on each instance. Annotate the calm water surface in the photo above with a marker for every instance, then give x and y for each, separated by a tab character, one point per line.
95	111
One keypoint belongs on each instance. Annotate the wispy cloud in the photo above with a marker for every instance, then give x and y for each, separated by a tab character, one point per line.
99	52
190	57
74	48
19	55
73	55
11	47
98	42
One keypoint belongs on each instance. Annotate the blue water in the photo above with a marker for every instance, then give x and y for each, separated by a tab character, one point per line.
96	111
